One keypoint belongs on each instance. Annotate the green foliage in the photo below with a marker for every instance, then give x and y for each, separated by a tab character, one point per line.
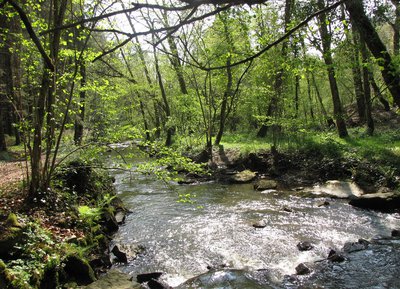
167	163
36	253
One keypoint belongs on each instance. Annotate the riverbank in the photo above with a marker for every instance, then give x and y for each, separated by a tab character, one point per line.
63	240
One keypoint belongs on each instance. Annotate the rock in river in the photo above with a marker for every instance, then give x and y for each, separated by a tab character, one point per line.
302	269
304	246
260	224
227	279
245	176
378	201
114	280
265	184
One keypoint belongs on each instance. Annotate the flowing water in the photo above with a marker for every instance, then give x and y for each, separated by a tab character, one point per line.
183	239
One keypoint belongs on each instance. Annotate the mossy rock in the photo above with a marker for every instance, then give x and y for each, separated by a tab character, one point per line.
50	278
11	233
245	176
265	184
77	269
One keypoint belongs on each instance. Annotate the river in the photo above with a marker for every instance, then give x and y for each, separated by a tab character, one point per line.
183	239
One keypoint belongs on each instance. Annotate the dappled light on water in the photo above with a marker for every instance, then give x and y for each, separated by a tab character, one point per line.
184	241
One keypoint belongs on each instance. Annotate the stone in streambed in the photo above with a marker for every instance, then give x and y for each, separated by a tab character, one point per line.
245	176
114	280
305	246
126	252
156	284
120	217
260	224
334	256
264	184
379	201
146	277
302	269
395	233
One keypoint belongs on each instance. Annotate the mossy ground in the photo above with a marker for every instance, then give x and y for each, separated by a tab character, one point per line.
51	229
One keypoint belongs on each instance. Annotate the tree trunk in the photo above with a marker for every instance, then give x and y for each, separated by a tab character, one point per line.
358	84
396	28
80	117
3	145
378	93
224	104
278	85
167	110
6	84
368	33
327	55
367	90
140	52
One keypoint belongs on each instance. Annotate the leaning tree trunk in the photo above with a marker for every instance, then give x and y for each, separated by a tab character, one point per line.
368	33
327	55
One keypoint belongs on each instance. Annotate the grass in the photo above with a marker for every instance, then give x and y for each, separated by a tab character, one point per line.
383	147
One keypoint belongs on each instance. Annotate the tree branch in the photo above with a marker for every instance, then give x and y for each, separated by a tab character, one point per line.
154	31
136	6
282	38
49	64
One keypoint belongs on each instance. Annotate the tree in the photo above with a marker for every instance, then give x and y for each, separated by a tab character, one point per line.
327	55
368	33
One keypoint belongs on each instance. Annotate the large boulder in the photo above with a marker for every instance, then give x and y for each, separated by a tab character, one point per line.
379	201
338	189
245	176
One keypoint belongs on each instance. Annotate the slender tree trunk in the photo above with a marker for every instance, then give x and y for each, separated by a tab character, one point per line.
356	71
278	85
6	84
15	28
80	117
327	118
368	33
224	104
378	93
139	50
309	96
327	55
3	145
367	90
167	110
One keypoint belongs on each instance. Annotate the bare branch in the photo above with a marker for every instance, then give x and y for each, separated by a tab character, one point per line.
154	31
115	31
136	7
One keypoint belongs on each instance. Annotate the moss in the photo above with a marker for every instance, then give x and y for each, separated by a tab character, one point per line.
12	221
78	269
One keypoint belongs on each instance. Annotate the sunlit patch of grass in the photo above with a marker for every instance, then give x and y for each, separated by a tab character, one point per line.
246	143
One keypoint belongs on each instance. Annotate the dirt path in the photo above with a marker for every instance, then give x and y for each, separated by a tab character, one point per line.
11	173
